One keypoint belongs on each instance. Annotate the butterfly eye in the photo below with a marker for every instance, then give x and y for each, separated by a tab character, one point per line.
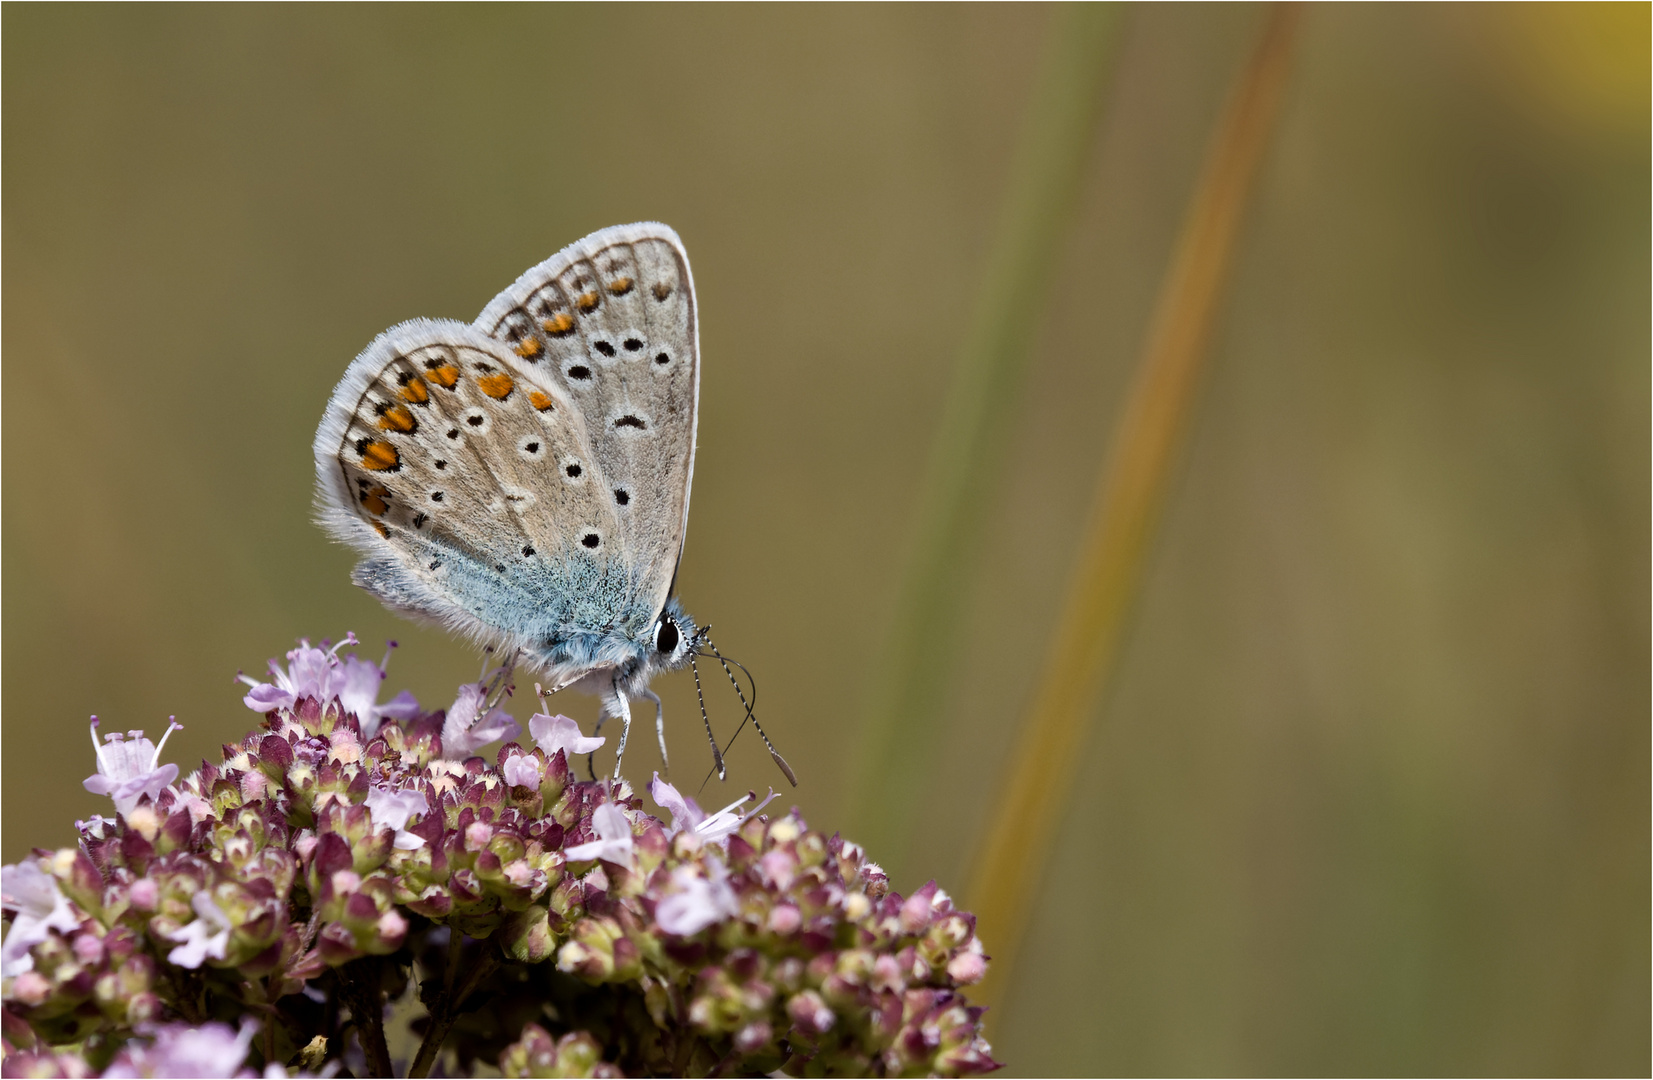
666	636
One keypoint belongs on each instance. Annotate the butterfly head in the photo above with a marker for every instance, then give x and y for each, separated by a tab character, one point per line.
672	639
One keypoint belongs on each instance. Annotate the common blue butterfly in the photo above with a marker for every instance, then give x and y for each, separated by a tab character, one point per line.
524	479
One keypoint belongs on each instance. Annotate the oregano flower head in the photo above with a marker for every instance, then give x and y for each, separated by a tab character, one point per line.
258	916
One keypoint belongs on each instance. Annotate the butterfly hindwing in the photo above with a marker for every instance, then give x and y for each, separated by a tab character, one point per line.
611	322
473	486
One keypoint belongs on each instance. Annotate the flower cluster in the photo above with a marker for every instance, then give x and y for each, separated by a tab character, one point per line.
264	913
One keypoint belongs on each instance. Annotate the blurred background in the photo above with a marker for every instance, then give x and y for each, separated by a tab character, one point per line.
1369	790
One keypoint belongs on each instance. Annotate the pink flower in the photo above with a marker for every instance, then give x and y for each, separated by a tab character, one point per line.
554	733
310	673
467	729
613	838
687	814
38	908
697	902
358	683
210	1049
208	935
391	809
130	770
322	675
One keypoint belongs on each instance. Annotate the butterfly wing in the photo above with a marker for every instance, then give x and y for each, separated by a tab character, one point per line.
472	488
610	323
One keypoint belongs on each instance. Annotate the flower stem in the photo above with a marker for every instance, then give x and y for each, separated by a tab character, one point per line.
1010	863
446	1010
898	734
361	983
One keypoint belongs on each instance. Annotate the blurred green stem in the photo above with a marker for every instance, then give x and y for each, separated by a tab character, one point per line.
1052	735
899	732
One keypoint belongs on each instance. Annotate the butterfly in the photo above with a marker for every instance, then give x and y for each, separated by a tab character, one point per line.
524	479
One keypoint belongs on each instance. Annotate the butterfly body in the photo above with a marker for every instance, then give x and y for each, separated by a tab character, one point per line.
524	479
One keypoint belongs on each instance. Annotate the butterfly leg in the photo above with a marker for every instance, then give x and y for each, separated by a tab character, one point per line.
659	727
591	758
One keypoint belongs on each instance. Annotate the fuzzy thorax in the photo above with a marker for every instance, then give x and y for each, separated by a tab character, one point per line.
602	663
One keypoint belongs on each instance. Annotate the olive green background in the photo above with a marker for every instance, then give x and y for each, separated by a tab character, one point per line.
1369	793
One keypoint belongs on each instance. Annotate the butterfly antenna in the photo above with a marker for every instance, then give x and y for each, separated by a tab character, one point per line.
717	755
780	762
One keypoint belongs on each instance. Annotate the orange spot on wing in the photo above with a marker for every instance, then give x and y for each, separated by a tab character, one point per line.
559	324
620	286
529	348
586	302
380	456
540	400
415	391
662	290
384	532
442	374
396	418
374	499
497	386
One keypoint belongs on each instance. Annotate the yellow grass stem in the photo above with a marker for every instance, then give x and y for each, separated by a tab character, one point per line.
1022	829
898	733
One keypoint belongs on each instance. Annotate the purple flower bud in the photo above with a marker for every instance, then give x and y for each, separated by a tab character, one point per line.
753	1037
968	967
144	894
809	1014
779	867
535	1054
589	954
88	949
527	935
915	913
337	944
784	919
43	1062
31	988
275	754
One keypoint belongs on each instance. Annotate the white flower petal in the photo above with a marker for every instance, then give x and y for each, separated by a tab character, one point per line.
553	733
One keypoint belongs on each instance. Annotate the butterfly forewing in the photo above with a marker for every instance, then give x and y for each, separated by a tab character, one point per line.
610	321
